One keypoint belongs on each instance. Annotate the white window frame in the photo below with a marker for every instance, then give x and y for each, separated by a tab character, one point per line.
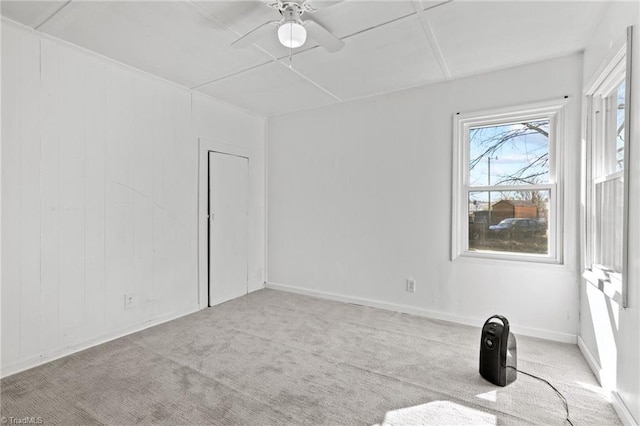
555	112
596	94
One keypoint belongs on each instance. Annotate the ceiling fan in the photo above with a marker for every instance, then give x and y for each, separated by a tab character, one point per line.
292	31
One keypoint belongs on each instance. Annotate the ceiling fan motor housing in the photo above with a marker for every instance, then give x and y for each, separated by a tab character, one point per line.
291	12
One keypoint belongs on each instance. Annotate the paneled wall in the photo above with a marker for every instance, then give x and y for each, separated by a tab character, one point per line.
21	214
100	197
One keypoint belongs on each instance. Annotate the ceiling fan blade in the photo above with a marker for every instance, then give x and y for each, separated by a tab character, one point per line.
255	34
324	4
322	36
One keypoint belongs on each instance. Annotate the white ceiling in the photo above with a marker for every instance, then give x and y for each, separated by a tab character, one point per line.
389	45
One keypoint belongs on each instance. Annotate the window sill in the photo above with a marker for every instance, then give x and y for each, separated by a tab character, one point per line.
509	256
509	259
609	283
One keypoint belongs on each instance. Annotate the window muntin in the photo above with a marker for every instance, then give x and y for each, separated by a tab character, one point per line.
606	237
620	113
508	160
608	232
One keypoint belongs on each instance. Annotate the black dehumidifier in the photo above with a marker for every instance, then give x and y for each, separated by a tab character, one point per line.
498	357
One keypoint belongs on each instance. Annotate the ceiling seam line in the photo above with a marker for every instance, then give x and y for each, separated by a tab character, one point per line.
382	24
427	29
215	80
37	27
312	82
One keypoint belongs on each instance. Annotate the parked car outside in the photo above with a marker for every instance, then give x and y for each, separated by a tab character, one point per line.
517	228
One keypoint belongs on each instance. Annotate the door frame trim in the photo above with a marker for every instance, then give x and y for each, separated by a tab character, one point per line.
204	147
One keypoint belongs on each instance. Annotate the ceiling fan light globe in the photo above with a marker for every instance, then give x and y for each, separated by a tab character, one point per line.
292	34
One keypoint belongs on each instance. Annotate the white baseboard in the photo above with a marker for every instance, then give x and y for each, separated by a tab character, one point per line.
607	384
477	322
49	356
621	409
595	366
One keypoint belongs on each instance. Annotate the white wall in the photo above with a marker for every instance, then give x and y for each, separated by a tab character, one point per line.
359	199
609	335
99	196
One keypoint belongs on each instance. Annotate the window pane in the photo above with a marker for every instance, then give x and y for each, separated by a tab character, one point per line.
620	115
609	216
516	222
509	154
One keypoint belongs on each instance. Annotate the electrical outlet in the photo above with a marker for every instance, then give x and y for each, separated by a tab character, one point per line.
130	300
411	285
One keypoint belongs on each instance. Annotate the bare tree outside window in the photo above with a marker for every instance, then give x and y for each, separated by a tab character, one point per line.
509	155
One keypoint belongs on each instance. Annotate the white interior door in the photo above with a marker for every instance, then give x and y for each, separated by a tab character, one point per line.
228	245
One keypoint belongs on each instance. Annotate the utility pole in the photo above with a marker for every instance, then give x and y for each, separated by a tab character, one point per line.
489	182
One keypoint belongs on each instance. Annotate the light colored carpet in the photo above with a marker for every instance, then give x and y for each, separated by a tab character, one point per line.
279	358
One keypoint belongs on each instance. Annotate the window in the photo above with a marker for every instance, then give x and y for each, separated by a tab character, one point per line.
606	171
506	183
